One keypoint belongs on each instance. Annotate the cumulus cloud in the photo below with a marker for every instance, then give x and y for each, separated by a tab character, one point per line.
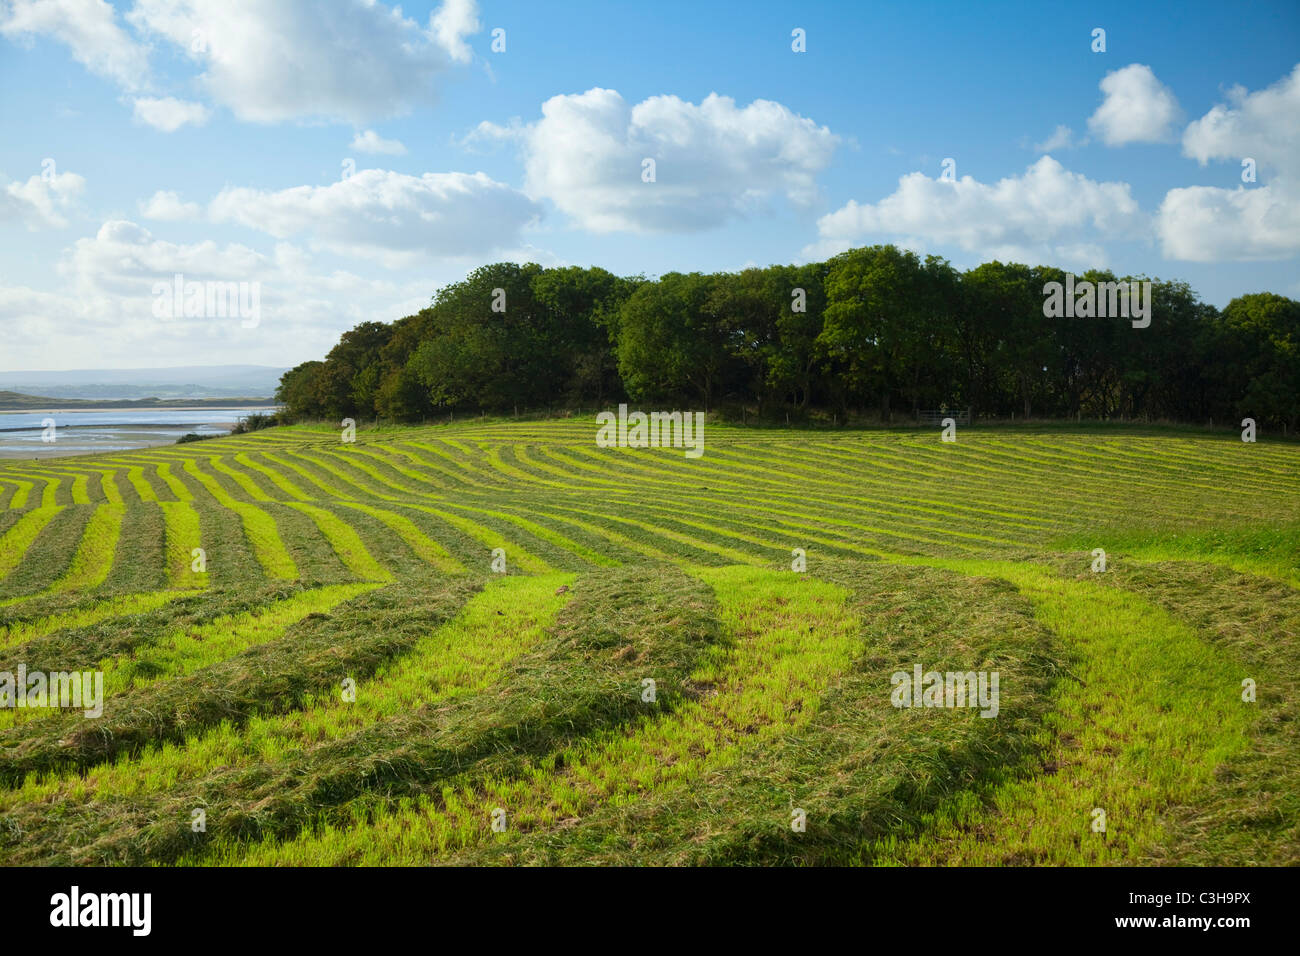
352	60
41	200
491	134
167	206
1048	214
88	28
1210	224
392	217
304	59
104	314
372	142
168	113
451	23
122	256
1062	138
1264	125
713	161
1248	221
1137	108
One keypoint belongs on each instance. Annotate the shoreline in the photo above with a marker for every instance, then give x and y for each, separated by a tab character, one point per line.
128	425
107	409
113	437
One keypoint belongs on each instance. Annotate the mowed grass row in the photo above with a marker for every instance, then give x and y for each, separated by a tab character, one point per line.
1134	725
849	487
851	763
187	650
92	558
461	657
20	631
1080	452
185	567
1048	464
275	658
837	842
766	681
588	677
248	723
1146	714
581	674
1250	814
19	535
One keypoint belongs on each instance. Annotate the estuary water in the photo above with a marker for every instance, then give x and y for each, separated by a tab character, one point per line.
85	431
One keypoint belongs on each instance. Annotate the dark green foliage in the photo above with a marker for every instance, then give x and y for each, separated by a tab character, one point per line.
300	391
254	422
874	329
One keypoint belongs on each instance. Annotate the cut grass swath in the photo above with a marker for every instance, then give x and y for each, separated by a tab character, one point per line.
183	538
184	652
272	677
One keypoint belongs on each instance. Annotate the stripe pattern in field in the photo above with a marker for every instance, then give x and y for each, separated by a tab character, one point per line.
501	555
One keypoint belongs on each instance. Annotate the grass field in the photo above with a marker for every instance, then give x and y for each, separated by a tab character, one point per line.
496	643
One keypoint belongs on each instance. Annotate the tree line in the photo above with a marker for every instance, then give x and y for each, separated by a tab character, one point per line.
873	331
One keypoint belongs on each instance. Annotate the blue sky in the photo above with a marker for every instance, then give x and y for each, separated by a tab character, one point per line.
211	139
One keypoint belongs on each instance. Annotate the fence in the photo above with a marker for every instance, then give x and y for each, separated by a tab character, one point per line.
936	416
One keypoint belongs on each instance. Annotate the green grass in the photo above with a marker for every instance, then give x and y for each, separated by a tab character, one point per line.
1271	550
183	537
620	628
314	655
476	691
191	648
461	657
19	537
856	765
1136	726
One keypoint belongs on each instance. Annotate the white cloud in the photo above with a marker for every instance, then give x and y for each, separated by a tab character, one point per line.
123	255
1062	138
1137	108
167	206
395	218
1209	224
41	200
308	59
492	134
105	316
168	113
353	60
372	142
1248	221
451	23
1264	126
88	28
25	316
714	161
1046	213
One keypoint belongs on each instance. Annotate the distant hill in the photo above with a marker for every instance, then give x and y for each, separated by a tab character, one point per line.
184	382
17	401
